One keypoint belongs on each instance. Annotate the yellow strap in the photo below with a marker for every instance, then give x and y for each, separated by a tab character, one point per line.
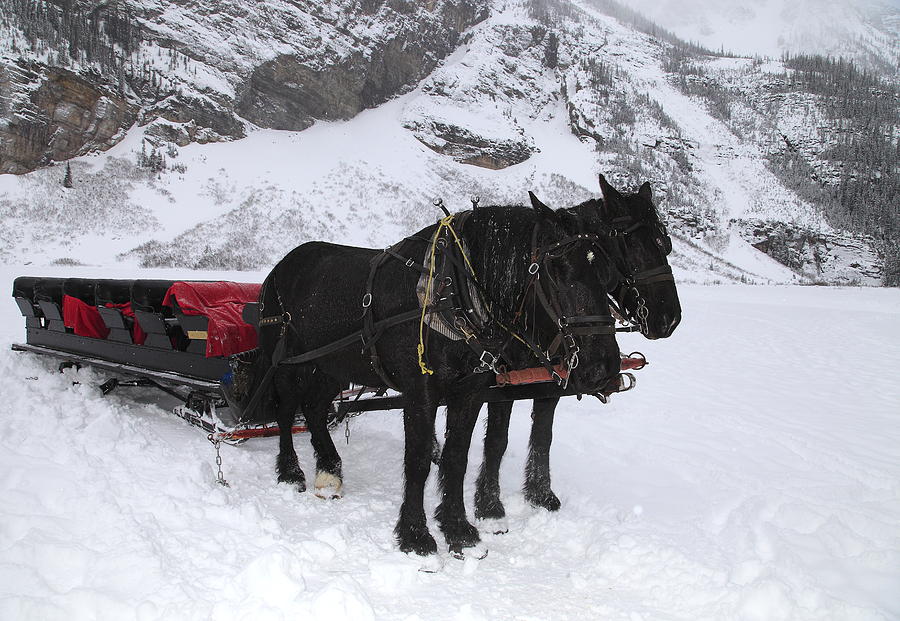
444	223
420	350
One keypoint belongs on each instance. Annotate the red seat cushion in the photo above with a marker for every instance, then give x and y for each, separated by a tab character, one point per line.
222	303
83	318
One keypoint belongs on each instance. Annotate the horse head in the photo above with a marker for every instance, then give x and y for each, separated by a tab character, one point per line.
643	287
568	298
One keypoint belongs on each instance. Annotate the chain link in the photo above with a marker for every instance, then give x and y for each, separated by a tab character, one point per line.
641	312
220	477
347	431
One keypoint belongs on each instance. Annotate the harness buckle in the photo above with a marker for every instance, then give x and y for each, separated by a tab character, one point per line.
409	262
488	361
533	268
562	382
367	300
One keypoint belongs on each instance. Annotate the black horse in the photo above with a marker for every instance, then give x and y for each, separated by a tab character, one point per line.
319	293
644	290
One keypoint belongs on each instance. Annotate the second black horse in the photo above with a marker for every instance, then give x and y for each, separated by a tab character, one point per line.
643	289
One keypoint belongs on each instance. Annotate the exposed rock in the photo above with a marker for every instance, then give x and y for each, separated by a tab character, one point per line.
202	120
478	115
469	147
278	64
55	114
293	90
835	258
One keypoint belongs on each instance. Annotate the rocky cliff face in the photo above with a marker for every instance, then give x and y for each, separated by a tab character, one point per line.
292	91
830	257
276	64
52	114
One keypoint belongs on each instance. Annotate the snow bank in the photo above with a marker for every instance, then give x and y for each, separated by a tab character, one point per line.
753	474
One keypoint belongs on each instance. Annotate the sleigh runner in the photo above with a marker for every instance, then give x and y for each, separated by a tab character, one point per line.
185	338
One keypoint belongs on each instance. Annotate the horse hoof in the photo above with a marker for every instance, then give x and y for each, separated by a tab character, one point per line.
429	564
477	552
292	479
497	526
329	486
546	500
420	543
489	510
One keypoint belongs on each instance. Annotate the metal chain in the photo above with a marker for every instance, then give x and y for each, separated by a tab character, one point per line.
641	311
220	478
347	431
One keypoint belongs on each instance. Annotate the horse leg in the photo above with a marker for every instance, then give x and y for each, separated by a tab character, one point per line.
418	424
537	468
329	476
287	397
487	487
462	412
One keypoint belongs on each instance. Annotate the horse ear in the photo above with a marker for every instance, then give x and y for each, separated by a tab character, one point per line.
609	192
645	192
541	208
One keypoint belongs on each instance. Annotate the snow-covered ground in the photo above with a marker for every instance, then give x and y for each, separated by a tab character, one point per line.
753	474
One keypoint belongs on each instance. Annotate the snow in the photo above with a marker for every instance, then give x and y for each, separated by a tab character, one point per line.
864	29
752	474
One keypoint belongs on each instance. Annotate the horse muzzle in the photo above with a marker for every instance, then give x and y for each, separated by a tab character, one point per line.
595	372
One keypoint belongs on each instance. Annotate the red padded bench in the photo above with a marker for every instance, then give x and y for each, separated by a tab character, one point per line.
209	313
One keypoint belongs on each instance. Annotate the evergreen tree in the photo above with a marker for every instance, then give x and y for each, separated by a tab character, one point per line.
67	180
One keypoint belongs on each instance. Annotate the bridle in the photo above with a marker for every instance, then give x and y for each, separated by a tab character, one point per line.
546	292
620	229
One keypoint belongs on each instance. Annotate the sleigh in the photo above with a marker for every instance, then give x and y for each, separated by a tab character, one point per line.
184	338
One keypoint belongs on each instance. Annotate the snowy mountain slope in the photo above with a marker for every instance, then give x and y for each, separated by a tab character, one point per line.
868	31
533	104
739	186
766	490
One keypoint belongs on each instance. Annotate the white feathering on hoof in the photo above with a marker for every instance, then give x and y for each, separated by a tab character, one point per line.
329	486
497	526
430	564
477	552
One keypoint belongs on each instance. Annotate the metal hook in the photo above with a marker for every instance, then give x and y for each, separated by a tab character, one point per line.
439	203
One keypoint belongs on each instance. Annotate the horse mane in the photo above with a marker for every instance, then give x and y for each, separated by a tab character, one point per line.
499	242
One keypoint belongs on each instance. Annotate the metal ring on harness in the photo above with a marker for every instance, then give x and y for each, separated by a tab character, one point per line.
626	386
641	357
533	268
367	300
